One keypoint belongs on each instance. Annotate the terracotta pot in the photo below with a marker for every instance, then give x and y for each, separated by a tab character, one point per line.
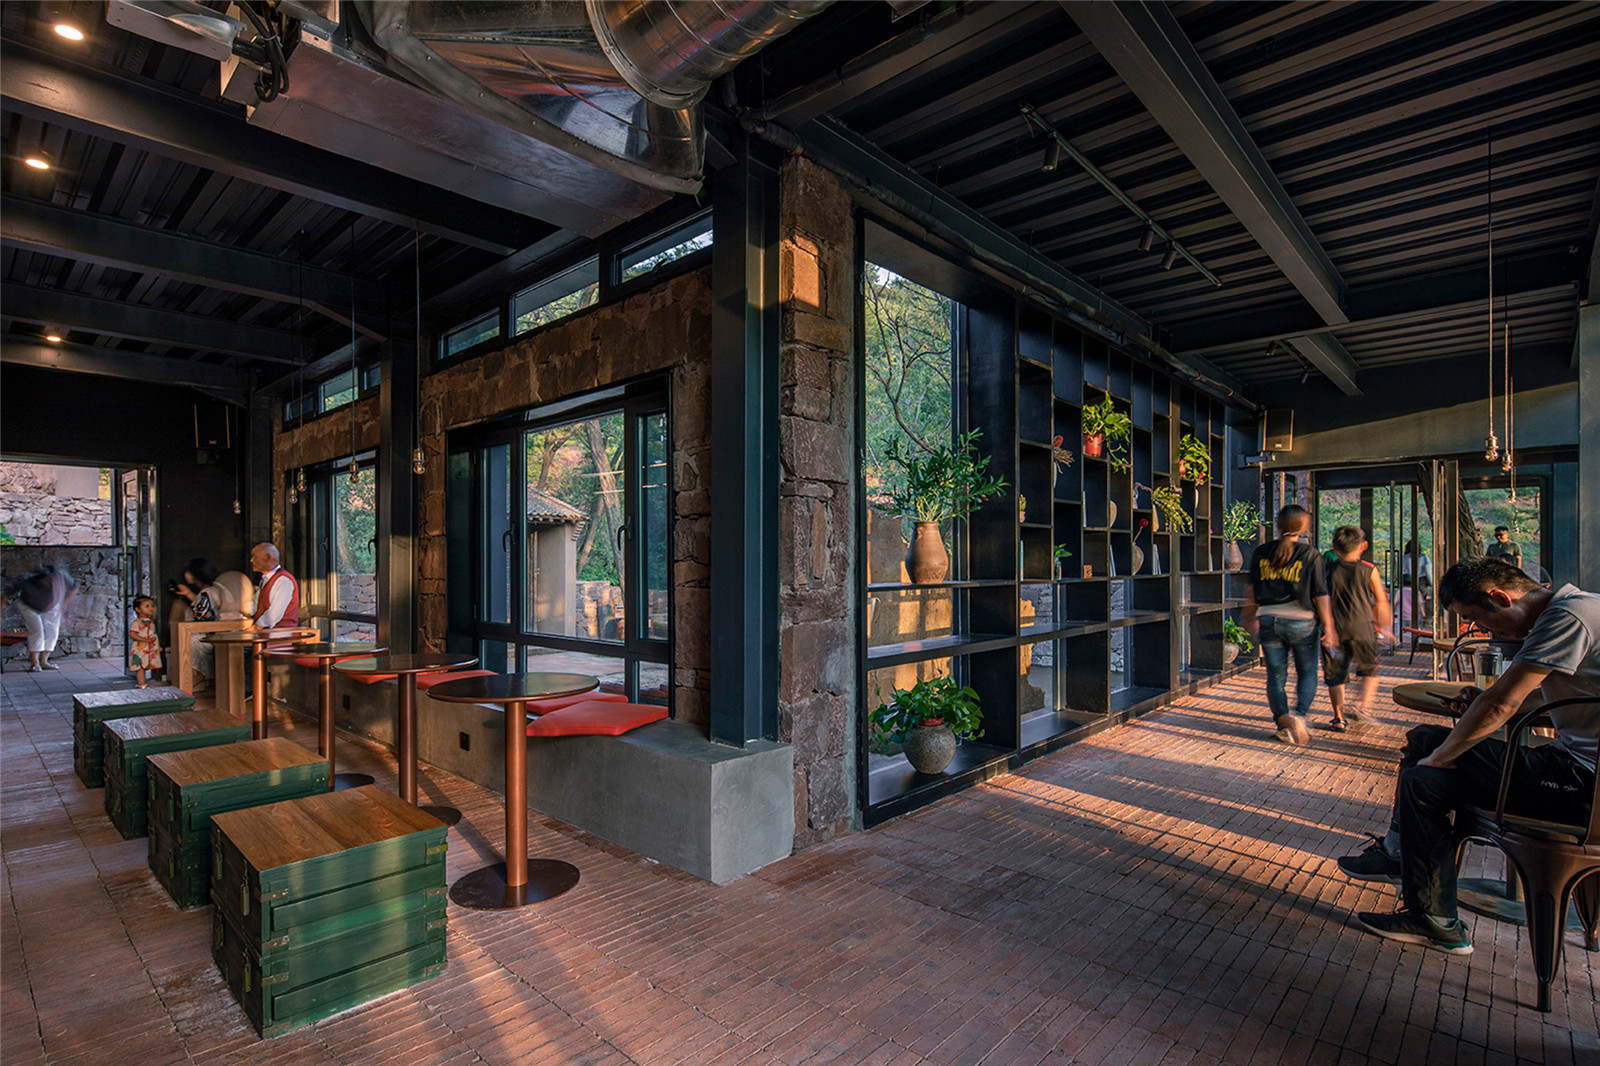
1232	557
1092	443
926	558
929	748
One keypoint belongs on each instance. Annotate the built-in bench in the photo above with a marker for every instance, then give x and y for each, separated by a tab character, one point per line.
664	790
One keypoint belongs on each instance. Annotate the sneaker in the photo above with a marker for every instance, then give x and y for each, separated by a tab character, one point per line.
1372	864
1292	730
1410	927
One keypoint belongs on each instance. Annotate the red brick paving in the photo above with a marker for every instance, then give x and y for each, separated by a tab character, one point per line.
1161	894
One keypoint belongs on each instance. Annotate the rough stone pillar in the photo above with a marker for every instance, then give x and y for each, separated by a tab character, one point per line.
817	498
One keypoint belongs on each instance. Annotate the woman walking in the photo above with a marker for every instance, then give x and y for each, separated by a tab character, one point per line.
1288	597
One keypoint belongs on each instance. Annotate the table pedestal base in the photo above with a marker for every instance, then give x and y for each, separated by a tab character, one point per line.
1487	896
344	781
447	815
485	888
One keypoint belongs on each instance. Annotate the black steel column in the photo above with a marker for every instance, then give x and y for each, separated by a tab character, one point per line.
744	449
397	499
256	492
1585	568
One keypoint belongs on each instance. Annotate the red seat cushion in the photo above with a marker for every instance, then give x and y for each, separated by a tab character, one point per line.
427	681
371	679
555	703
604	718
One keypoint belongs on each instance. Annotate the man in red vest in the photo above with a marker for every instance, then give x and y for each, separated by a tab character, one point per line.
278	598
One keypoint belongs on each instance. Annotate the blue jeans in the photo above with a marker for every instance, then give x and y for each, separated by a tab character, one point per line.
1281	637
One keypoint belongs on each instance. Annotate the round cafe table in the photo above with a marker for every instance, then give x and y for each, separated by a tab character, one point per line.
236	641
325	653
1426	696
519	880
406	668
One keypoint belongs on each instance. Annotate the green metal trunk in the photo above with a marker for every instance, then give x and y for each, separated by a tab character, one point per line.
90	709
188	787
129	741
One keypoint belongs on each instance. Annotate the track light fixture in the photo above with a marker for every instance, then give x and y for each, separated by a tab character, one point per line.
39	159
1170	258
68	28
53	337
1147	237
1052	156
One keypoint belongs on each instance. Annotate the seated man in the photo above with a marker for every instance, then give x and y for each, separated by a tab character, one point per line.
1442	770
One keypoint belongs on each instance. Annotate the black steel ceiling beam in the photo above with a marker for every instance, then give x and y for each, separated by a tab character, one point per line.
89	238
1326	354
223	382
1513	276
1148	49
114	318
173	125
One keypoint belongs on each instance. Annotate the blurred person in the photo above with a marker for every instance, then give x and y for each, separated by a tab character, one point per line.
278	598
1284	603
42	597
144	646
1363	622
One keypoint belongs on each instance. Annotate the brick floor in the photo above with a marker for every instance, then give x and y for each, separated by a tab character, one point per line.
1162	894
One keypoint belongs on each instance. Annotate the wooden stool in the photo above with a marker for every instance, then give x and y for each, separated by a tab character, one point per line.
130	741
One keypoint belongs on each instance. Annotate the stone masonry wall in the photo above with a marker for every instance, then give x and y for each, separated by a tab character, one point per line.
816	523
93	623
665	328
319	440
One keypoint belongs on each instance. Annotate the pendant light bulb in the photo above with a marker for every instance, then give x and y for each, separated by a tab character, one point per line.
300	479
236	508
355	471
1506	463
294	496
419	465
1491	447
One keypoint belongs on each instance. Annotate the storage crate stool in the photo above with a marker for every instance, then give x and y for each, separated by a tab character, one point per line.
129	741
188	787
90	709
326	902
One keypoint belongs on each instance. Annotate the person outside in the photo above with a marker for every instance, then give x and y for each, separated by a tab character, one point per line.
1416	596
1504	548
1443	770
1362	620
278	599
144	646
1286	599
42	598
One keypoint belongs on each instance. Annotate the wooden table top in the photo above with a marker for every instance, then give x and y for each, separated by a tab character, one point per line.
128	697
1425	695
425	663
166	725
326	650
232	760
513	688
260	636
290	831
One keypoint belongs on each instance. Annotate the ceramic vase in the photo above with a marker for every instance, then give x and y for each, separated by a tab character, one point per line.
926	559
930	747
1111	513
1230	652
1232	557
1137	559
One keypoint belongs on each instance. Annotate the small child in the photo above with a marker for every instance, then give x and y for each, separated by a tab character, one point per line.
144	647
1362	620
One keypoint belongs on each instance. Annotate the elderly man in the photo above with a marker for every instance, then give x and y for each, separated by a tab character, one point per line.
278	599
1443	770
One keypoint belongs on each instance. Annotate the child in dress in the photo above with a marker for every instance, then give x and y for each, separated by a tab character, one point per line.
144	647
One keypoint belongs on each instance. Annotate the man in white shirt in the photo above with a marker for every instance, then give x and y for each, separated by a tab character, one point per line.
278	599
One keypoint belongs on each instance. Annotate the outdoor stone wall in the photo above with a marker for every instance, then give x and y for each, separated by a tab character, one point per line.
816	519
664	329
94	622
39	504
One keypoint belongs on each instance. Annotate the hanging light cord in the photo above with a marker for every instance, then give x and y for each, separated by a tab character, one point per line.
1489	192
355	380
418	459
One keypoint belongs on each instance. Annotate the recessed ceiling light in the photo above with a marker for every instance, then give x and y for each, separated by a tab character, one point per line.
39	159
53	338
68	29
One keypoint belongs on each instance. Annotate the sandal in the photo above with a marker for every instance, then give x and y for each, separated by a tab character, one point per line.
1337	725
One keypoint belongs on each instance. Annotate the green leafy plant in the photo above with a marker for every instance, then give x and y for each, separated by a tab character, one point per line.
1063	552
1241	520
1195	457
1234	633
5	536
930	701
948	482
1170	501
1102	419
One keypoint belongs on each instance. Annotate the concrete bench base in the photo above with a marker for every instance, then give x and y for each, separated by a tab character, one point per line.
664	791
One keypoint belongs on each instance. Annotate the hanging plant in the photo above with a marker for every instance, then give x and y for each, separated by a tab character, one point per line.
1106	431
1194	459
1170	501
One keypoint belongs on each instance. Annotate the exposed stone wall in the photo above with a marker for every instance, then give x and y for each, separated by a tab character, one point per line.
94	621
664	329
42	518
319	440
816	521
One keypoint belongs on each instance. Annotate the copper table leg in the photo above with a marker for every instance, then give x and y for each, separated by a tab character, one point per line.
519	880
258	711
325	730
408	753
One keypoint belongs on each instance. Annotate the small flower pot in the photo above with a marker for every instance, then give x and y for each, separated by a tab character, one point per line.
1232	557
1093	443
930	746
1230	652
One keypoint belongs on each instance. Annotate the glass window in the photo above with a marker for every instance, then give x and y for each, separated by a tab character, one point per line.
484	328
575	288
664	248
338	562
573	501
336	391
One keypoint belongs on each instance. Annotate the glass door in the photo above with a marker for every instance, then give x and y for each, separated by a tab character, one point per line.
136	540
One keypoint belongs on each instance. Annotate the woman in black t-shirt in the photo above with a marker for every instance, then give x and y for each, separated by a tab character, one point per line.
1288	596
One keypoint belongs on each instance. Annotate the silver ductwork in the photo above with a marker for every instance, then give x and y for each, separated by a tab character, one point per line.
581	112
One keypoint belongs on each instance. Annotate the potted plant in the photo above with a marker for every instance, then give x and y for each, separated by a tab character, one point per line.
1194	459
1104	428
928	718
1169	502
949	481
1241	520
1235	639
1062	554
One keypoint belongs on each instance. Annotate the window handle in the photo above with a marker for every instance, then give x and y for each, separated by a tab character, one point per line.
505	542
620	536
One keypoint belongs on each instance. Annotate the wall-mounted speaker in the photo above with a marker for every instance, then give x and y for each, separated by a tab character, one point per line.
213	426
1277	431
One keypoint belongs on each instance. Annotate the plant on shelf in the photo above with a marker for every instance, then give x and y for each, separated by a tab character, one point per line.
928	718
1106	431
949	481
1235	639
1194	459
1170	503
1241	521
1061	553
